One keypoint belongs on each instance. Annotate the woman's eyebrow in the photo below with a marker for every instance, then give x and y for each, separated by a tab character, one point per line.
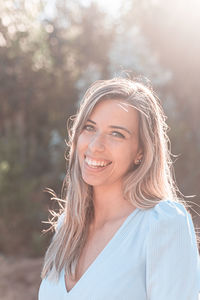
112	126
91	121
120	127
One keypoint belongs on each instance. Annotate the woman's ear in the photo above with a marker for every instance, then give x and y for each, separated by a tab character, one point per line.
139	157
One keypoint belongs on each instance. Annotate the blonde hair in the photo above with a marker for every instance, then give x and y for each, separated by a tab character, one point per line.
144	187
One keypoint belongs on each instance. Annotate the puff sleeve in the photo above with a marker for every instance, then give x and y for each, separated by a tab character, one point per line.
172	258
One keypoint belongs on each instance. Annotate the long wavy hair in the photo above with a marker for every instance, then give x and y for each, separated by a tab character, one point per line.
144	187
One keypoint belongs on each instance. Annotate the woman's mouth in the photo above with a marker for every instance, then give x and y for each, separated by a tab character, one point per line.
96	164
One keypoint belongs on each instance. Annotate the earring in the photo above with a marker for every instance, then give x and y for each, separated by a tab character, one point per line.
138	161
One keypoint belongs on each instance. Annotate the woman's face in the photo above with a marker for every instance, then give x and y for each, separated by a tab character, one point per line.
108	145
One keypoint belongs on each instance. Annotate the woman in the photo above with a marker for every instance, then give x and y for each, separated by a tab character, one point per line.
123	233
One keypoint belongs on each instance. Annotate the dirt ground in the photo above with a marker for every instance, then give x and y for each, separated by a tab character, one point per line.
19	278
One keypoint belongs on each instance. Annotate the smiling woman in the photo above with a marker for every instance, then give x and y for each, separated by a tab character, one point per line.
123	233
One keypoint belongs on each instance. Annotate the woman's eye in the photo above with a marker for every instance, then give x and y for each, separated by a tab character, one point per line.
118	134
88	128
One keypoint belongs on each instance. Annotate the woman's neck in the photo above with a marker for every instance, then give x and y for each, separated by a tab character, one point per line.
109	204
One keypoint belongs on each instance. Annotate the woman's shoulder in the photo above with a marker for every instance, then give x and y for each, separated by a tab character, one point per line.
170	219
168	211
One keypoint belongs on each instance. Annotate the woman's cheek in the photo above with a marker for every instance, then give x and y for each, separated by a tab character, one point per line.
83	142
81	139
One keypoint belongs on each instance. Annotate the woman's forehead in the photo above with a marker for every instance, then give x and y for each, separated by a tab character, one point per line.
114	111
113	105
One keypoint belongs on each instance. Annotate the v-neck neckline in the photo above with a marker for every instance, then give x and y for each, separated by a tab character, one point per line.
100	255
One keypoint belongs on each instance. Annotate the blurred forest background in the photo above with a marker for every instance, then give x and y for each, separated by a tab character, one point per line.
50	52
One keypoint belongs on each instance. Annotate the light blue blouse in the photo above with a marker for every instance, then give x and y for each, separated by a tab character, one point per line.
152	256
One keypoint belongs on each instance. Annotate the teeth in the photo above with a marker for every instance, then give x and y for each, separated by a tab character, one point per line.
95	163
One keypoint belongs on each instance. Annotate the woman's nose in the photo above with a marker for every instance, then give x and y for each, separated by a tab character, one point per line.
97	143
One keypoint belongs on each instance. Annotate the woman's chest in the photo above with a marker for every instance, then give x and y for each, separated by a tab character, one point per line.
95	244
118	272
120	275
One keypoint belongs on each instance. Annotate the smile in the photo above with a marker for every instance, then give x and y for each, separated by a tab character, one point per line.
96	163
